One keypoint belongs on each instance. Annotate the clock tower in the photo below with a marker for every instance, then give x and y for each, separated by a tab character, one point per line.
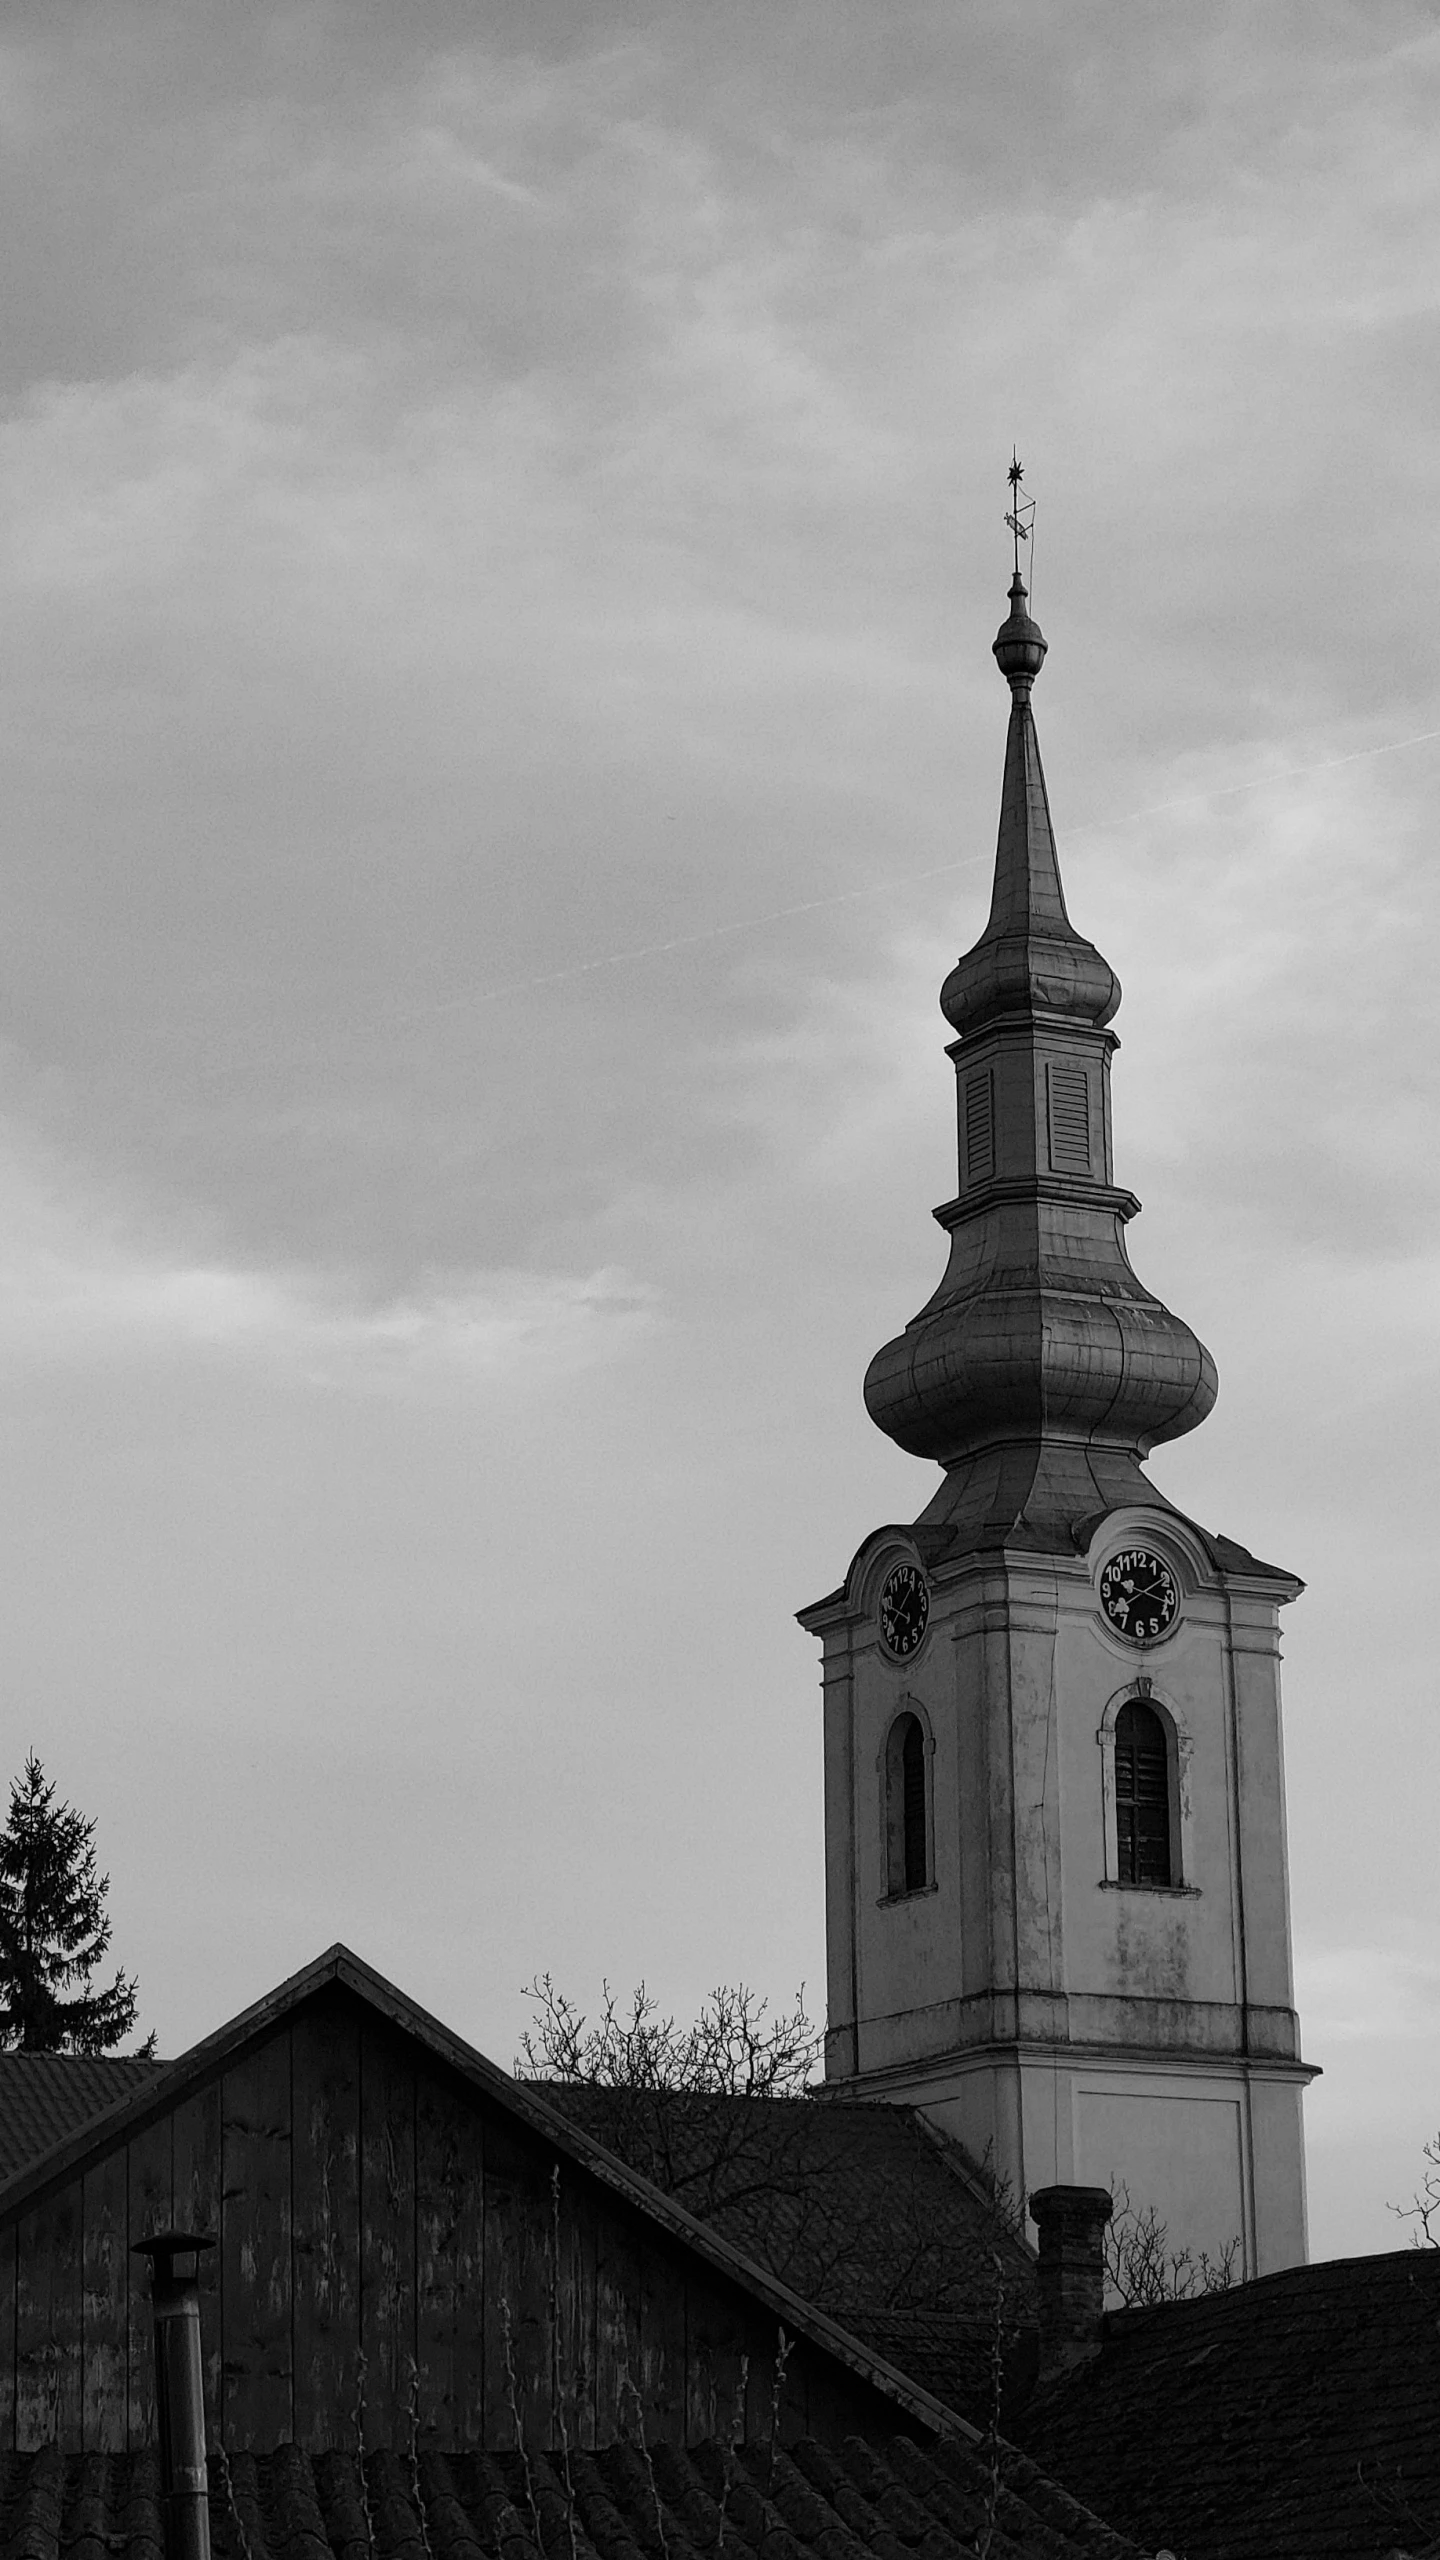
1057	1909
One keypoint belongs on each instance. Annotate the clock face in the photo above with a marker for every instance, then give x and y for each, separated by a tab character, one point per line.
1139	1595
904	1609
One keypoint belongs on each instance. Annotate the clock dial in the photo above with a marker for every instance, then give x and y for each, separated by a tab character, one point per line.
1139	1595
904	1609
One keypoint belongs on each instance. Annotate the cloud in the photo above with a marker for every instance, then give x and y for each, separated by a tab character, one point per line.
78	1283
1366	1994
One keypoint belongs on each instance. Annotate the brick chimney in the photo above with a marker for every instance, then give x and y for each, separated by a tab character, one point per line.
1071	2223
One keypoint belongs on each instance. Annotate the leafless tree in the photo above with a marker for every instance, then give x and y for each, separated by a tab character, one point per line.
1424	2206
1142	2268
733	2049
724	2114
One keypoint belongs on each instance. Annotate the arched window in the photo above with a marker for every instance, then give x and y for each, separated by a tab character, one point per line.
907	1823
1142	1796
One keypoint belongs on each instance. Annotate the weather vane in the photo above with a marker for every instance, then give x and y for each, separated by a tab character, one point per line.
1020	516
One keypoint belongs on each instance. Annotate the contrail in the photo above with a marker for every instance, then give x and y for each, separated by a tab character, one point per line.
402	1018
891	880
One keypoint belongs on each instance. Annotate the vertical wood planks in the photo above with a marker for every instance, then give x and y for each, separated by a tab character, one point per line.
198	2208
47	2323
449	2261
325	2084
617	2322
151	2182
715	2326
387	2232
572	2271
517	2308
257	2396
7	2341
662	2340
105	2306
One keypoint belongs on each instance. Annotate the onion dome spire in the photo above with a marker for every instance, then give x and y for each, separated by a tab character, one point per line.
1042	1371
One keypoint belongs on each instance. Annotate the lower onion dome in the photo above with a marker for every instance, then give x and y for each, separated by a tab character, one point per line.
1036	1340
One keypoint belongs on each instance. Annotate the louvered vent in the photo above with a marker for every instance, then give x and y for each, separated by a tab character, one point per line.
1142	1796
979	1128
1069	1090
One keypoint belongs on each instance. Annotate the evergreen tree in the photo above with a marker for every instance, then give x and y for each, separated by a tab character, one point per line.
54	1930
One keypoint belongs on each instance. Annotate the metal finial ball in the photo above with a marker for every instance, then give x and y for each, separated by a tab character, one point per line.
1019	644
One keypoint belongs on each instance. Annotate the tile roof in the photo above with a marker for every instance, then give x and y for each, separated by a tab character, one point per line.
861	2207
1293	2417
626	2503
44	2096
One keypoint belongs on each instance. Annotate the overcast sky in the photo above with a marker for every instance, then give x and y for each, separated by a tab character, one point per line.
502	538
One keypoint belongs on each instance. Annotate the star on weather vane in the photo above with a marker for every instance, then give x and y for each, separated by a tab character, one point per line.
1020	516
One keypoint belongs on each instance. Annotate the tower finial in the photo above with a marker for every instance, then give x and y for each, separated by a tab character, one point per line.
1020	644
1020	515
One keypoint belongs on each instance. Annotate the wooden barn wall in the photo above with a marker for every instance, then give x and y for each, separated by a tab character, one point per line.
397	2255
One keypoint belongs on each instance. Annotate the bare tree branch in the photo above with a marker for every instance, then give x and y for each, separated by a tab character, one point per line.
1424	2206
1142	2268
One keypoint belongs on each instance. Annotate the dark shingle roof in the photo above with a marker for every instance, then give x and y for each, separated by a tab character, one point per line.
1293	2417
625	2502
861	2207
44	2096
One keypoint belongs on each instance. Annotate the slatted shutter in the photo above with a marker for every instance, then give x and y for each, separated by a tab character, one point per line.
1068	1090
907	1806
979	1127
912	1762
1142	1796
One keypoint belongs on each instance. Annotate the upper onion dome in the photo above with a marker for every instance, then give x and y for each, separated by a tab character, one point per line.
1029	955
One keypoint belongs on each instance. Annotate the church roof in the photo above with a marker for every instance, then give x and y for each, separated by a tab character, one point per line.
988	1506
1292	2418
798	2503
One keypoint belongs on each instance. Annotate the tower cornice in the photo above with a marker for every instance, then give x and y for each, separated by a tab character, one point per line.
1064	1190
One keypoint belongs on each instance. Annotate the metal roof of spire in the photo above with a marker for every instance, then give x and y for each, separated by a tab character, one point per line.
1029	953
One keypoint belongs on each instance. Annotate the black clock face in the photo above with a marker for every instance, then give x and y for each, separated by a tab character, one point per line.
904	1609
1139	1595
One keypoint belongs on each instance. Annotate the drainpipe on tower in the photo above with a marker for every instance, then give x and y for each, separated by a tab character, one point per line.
179	2390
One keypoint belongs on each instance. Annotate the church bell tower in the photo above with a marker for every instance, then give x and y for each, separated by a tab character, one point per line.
1057	1907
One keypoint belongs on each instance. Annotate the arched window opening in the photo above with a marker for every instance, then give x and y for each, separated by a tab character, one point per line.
906	1806
1142	1796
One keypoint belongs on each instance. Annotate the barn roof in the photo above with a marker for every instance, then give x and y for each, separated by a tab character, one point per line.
629	2500
45	2096
863	2207
165	2088
1292	2417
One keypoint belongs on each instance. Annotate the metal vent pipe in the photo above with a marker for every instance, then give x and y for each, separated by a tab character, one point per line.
179	2390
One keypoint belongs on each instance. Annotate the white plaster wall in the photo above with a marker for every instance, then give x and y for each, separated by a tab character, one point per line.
1180	2148
993	1998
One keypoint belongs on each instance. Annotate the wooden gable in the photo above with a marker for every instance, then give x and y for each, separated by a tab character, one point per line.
411	2249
